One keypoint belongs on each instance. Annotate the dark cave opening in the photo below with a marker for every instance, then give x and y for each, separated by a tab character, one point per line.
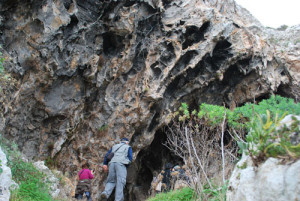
112	44
149	161
220	54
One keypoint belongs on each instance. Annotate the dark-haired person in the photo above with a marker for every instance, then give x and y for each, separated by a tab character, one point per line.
84	184
117	171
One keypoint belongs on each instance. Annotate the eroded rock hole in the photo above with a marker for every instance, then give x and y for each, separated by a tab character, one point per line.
167	53
234	74
175	86
183	62
67	4
194	34
156	70
138	62
71	27
112	44
220	54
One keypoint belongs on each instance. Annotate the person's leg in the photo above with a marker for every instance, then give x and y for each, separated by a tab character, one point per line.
121	181
111	180
79	197
88	195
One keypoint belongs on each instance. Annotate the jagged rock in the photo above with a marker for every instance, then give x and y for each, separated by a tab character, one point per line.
53	177
50	177
6	182
91	72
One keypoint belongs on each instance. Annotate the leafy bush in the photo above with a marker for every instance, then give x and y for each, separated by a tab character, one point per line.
216	192
265	139
275	105
241	117
185	194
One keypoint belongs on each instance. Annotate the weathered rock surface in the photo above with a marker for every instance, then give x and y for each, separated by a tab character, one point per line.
6	181
91	72
272	181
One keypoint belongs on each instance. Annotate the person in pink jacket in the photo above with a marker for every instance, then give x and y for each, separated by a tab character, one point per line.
84	184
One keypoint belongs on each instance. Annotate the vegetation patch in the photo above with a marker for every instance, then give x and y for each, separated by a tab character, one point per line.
185	194
33	184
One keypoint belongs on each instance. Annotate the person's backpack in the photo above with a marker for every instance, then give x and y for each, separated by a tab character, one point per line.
112	154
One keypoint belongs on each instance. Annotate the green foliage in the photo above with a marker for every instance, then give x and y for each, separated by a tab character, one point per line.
216	192
282	27
33	185
1	170
275	104
103	128
265	139
243	166
260	120
1	63
185	194
241	117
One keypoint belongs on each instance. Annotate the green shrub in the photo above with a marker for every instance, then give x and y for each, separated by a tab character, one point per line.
185	194
266	140
33	185
216	192
241	117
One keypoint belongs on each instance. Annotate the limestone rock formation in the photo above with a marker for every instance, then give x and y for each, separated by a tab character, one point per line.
91	72
271	181
274	179
6	182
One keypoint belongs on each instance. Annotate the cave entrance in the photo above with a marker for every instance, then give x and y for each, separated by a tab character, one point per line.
149	161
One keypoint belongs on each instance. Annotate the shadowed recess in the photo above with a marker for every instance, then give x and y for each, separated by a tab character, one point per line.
112	44
194	34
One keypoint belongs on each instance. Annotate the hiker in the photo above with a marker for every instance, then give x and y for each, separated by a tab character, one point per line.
116	168
179	178
166	181
84	184
156	183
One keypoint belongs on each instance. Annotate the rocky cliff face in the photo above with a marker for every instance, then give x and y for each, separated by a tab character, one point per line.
91	72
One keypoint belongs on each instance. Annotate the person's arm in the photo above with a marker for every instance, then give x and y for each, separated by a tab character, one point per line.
130	154
105	162
91	176
79	173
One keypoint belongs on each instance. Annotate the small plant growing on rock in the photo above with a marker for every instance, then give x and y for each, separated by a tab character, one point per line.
103	128
1	170
266	140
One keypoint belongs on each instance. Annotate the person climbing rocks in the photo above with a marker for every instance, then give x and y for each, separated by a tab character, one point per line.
166	181
84	184
117	169
179	178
